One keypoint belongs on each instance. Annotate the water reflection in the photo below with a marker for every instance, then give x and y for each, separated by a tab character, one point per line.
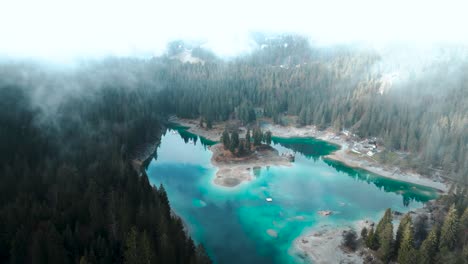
308	147
312	148
409	192
189	137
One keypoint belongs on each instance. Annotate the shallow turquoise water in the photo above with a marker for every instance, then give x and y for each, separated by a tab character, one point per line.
232	223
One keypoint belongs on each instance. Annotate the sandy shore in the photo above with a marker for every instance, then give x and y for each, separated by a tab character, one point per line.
322	244
234	170
345	156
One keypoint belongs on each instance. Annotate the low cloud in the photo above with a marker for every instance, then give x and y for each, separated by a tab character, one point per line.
64	31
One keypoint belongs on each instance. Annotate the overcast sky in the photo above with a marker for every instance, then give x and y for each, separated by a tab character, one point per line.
62	30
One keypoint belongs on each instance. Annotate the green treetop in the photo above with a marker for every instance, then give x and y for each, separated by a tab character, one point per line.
407	254
429	247
449	232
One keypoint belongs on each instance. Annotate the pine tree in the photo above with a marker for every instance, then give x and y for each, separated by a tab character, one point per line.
131	248
164	201
386	219
146	249
420	229
234	141
371	241
464	228
241	147
83	260
19	247
386	243
202	257
201	122
405	220
247	140
258	136
349	240
225	139
364	233
268	137
449	231
407	254
168	253
465	254
303	117
429	247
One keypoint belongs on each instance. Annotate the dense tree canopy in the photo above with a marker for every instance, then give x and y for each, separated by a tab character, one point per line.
440	245
69	192
420	109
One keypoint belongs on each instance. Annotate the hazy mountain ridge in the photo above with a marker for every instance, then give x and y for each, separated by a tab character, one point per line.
413	101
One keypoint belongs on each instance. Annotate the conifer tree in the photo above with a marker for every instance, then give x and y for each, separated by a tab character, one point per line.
407	254
429	247
202	256
349	240
146	249
268	137
201	122
364	234
405	220
131	249
449	231
241	147
225	139
247	140
258	136
386	219
83	260
234	141
386	243
371	241
464	228
465	254
420	229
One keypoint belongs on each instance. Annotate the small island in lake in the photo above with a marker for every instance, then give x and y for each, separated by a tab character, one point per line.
237	158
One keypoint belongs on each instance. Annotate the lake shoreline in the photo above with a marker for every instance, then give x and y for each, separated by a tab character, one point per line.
322	244
343	155
232	170
265	203
347	157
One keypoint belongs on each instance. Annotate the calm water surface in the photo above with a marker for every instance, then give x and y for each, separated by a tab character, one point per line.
232	223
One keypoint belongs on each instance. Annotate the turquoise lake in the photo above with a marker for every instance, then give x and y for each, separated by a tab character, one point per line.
232	223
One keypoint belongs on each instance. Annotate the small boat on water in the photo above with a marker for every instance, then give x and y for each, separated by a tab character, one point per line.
269	199
325	213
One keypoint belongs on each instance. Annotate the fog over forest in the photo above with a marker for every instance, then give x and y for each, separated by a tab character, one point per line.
63	31
87	90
